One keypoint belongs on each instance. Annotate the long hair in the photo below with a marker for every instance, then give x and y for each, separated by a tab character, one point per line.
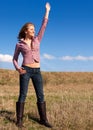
22	33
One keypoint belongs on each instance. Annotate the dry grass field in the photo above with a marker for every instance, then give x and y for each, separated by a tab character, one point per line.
69	98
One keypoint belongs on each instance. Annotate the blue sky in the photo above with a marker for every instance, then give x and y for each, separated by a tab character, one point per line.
67	44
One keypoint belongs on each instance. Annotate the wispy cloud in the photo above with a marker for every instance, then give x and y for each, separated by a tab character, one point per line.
68	58
79	57
5	58
48	56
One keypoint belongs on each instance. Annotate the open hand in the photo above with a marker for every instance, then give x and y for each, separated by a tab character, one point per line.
48	6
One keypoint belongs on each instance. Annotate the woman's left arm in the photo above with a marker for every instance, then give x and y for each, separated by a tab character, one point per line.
44	22
47	10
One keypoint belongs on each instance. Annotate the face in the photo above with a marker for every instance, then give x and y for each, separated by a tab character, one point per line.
30	32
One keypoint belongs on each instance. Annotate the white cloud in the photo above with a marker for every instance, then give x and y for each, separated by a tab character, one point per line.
79	57
5	58
66	58
49	57
91	58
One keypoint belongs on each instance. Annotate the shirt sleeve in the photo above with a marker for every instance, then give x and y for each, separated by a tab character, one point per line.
15	57
42	29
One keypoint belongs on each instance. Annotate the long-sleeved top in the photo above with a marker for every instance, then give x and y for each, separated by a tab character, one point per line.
30	54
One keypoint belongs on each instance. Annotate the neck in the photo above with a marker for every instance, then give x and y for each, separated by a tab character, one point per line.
27	40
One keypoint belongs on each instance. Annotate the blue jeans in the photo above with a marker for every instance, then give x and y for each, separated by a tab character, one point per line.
35	75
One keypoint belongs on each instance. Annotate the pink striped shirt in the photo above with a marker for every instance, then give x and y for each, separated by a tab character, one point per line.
30	55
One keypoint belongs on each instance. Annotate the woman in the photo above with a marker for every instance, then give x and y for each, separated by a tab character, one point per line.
28	46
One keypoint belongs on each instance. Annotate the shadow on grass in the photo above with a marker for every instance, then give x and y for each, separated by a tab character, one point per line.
33	117
8	116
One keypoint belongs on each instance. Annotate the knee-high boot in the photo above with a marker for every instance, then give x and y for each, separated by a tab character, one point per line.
42	114
19	113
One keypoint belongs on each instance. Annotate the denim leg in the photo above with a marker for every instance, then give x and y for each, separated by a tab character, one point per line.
24	81
38	85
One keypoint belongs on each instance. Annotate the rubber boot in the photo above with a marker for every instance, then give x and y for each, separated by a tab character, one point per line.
42	114
19	114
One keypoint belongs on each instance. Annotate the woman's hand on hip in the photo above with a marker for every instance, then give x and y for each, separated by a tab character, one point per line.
21	70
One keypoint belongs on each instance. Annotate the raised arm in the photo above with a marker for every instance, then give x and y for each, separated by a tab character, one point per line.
44	22
47	10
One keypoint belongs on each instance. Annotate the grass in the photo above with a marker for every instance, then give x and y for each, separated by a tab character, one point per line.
69	98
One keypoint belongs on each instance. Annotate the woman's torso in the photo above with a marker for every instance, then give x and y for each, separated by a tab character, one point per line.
31	54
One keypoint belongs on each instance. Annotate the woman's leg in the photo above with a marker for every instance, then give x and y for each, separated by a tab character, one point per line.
41	104
24	80
38	85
